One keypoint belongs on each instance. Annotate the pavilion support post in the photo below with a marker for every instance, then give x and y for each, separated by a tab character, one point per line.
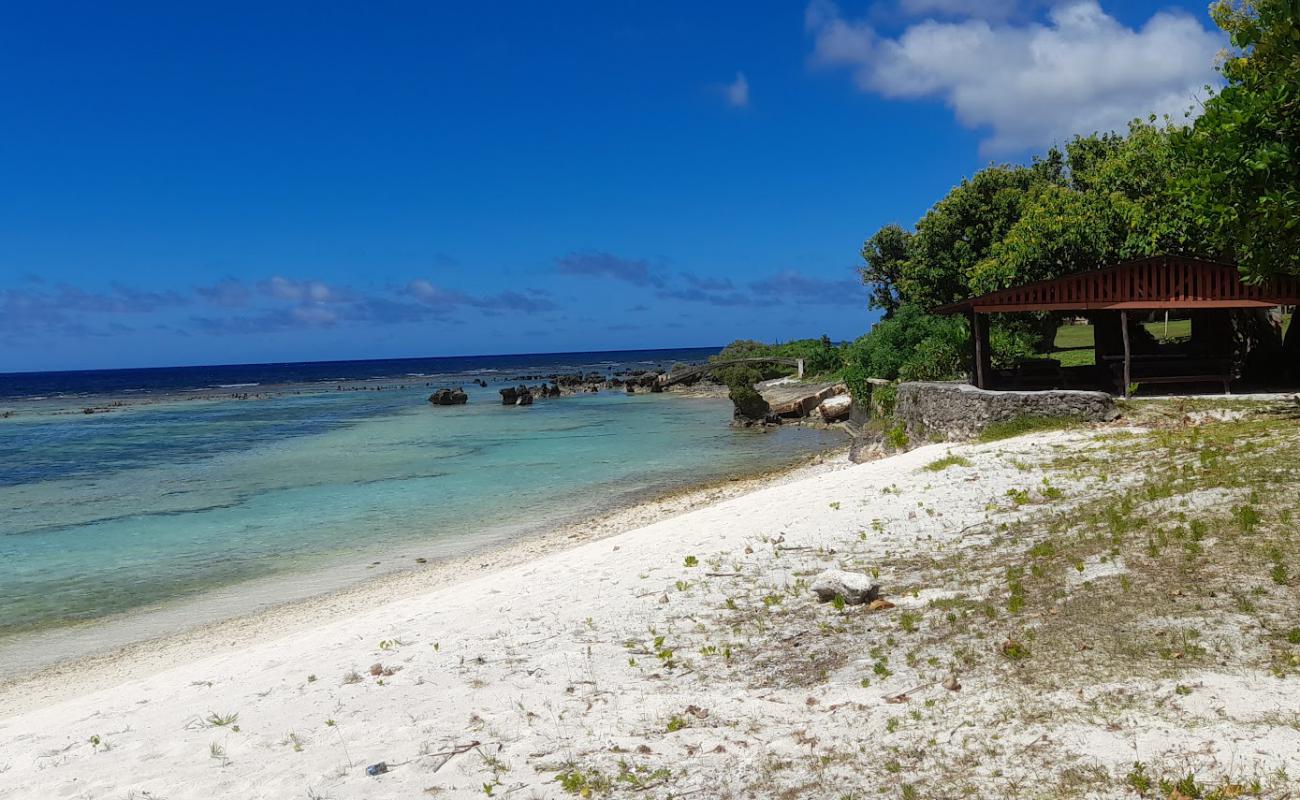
980	333
974	349
1290	347
1128	352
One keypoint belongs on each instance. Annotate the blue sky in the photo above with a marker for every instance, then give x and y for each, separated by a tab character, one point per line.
231	182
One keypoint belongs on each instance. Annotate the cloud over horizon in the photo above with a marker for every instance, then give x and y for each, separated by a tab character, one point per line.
809	290
1030	84
598	263
738	91
278	304
77	312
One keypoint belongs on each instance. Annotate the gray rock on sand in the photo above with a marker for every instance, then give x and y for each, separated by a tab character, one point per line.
855	587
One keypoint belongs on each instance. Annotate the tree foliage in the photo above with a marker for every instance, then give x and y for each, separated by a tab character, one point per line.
1244	150
885	254
911	345
820	356
958	232
1104	198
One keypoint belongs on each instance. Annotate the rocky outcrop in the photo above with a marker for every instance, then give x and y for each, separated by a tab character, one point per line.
835	409
516	396
854	587
794	400
959	411
576	382
449	397
645	379
874	440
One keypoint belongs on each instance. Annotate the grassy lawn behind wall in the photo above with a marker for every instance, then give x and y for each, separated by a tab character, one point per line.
1074	342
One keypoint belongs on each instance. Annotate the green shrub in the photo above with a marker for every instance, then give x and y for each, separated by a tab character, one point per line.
1017	426
748	402
855	377
936	358
897	437
884	399
820	356
1012	341
948	461
910	341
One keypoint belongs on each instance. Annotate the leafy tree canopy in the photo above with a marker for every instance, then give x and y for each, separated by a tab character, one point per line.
1105	198
885	254
957	233
1243	152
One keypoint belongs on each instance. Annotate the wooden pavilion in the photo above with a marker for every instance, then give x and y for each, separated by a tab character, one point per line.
1206	290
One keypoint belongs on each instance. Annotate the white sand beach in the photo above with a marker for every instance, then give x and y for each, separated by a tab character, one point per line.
686	657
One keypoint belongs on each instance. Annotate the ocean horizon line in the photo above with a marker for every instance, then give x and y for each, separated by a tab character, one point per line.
13	373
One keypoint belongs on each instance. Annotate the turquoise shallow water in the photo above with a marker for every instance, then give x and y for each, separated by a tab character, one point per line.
107	514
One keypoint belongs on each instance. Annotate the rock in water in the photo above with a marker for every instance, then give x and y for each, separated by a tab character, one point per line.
449	397
855	587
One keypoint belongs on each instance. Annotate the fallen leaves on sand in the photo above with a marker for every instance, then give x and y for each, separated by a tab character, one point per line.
697	712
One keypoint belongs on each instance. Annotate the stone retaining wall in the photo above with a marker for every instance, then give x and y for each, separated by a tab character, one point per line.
959	411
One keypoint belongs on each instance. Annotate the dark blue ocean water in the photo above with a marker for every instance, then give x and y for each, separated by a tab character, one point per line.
244	376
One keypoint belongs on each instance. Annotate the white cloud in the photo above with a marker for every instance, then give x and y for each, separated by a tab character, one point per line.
309	291
426	292
837	40
314	315
738	92
1032	84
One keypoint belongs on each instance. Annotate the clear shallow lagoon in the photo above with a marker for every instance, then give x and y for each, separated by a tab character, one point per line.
106	514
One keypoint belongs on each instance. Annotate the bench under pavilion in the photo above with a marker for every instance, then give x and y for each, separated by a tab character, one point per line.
1113	298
